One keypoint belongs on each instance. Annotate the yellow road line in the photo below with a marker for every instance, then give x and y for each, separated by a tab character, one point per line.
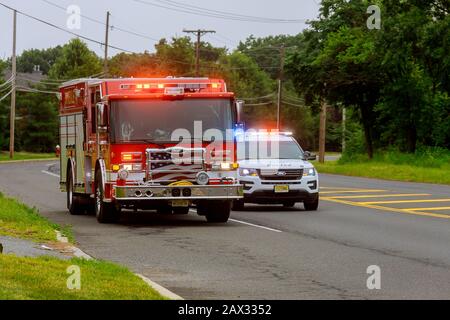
336	188
352	191
429	209
407	201
383	196
361	204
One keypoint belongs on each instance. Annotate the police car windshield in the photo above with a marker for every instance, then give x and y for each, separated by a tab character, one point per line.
162	120
266	149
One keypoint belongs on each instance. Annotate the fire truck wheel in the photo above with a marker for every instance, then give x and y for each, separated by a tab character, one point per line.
218	211
180	210
74	203
105	212
202	208
164	210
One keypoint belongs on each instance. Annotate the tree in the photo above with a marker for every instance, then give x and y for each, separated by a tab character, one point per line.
34	57
75	61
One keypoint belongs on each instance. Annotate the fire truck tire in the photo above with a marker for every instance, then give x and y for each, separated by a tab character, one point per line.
104	211
74	203
180	210
202	208
218	211
164	210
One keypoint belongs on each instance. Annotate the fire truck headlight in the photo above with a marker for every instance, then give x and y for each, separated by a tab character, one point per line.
225	166
202	178
123	174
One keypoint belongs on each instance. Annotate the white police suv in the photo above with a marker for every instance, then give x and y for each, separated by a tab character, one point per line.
274	169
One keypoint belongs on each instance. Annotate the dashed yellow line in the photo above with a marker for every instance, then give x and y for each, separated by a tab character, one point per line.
406	201
352	191
382	196
372	206
429	209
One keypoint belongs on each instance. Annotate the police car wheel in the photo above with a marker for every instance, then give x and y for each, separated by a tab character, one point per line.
289	204
238	205
311	206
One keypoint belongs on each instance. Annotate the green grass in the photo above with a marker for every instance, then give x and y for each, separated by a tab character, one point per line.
4	156
45	278
428	166
18	220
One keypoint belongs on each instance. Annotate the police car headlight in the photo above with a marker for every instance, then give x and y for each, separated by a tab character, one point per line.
310	172
244	172
123	174
202	178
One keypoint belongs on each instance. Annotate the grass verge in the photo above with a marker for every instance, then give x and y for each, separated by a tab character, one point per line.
18	220
18	156
426	167
46	278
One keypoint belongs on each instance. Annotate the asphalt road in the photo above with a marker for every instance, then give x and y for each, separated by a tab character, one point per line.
267	252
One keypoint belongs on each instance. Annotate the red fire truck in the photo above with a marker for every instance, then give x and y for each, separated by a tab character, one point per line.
148	143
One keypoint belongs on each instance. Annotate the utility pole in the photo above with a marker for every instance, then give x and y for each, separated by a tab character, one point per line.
344	128
199	34
280	86
13	90
322	131
105	65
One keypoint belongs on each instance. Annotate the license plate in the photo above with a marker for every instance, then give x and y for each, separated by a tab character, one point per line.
282	189
180	203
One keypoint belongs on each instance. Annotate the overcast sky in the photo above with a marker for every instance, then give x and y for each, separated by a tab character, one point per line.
151	21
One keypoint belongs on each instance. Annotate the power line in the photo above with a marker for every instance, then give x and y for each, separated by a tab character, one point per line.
292	104
199	34
11	79
64	30
6	95
259	104
199	11
258	98
6	88
30	90
114	27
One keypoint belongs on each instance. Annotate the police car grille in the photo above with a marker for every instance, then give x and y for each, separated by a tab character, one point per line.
288	174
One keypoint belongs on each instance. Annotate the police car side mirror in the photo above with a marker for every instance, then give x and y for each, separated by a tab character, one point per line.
309	156
102	117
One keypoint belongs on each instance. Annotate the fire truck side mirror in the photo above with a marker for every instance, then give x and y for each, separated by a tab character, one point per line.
240	110
102	117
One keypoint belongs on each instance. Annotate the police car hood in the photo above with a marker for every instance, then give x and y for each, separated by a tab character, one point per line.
274	164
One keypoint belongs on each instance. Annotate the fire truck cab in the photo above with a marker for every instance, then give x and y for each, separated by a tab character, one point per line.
149	143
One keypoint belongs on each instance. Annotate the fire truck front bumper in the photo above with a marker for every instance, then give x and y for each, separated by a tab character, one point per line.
195	192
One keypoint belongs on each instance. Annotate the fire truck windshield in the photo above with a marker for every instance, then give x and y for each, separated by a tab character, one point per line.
162	120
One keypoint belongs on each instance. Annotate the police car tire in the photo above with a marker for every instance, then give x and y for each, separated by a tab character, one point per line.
311	206
238	205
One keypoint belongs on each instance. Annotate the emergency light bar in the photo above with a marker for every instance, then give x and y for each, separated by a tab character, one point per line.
187	87
265	133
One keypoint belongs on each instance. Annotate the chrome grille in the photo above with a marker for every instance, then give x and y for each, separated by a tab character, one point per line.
281	174
162	167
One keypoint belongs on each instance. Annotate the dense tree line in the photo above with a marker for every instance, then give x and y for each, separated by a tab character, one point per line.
394	81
